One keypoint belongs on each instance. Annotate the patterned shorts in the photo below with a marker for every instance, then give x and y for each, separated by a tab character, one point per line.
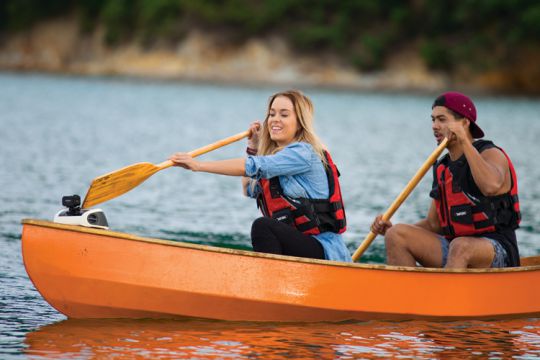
500	259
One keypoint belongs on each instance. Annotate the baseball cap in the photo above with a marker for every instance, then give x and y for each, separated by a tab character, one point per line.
462	105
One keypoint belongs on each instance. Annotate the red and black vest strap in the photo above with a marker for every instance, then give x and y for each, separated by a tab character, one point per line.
310	208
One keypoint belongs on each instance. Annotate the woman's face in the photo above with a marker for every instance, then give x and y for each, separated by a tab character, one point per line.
282	123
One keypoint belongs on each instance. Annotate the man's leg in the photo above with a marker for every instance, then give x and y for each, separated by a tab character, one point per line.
407	244
470	252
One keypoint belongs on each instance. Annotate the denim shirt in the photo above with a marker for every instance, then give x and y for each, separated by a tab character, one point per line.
301	174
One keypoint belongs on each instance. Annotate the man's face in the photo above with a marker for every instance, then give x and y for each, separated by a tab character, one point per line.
441	117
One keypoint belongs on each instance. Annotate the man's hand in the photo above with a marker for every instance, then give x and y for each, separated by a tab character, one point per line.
380	226
458	130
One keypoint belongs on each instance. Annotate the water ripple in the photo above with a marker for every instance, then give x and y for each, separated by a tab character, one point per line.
210	339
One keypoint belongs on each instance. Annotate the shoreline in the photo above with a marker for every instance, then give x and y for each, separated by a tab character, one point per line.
57	47
145	79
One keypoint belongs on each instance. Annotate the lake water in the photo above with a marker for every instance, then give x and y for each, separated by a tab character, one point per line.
58	133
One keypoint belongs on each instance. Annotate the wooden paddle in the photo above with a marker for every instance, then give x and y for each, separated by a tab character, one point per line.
116	183
402	197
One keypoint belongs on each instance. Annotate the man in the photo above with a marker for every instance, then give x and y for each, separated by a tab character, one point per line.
475	209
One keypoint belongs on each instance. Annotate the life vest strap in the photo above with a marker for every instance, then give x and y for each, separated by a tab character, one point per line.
312	224
307	225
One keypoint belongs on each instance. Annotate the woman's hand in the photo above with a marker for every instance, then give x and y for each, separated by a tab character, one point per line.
380	226
184	160
255	132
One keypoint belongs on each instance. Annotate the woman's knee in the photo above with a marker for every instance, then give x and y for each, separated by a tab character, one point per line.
262	223
263	238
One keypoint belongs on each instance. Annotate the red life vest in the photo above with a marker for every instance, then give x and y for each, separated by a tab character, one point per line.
310	216
462	208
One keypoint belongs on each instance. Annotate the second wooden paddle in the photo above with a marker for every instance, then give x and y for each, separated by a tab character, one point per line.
401	197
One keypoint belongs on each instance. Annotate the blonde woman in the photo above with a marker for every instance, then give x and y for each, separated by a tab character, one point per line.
293	179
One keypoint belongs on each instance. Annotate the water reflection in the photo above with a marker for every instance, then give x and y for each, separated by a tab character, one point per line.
160	339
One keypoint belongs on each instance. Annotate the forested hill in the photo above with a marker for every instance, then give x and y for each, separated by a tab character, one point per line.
461	38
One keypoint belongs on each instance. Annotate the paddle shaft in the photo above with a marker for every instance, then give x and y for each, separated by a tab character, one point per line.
402	196
208	148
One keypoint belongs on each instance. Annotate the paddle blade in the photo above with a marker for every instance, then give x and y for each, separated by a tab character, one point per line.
116	183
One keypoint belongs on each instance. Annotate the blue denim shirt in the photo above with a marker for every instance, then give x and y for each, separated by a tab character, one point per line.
301	174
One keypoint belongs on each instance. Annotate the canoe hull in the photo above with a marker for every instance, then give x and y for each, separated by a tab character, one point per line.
87	273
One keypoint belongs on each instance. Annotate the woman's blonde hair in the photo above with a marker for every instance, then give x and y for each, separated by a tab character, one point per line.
303	109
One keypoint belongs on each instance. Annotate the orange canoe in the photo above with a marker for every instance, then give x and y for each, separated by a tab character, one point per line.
91	273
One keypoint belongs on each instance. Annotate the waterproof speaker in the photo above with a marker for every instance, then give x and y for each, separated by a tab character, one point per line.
74	215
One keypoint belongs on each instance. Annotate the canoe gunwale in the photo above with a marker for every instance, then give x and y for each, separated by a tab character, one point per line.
209	248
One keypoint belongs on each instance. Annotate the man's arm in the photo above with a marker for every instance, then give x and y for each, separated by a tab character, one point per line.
489	170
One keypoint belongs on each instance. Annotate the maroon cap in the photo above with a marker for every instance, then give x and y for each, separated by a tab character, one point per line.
463	106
